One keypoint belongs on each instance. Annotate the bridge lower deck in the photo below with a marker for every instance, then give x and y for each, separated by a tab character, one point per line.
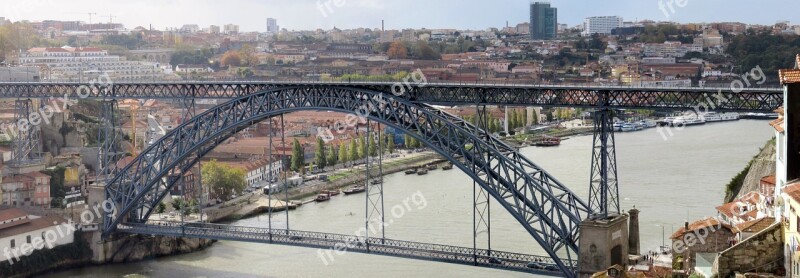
388	247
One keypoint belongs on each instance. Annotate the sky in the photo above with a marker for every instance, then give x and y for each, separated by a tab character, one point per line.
346	14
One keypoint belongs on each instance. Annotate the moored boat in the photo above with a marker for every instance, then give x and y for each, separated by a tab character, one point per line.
548	141
331	192
355	189
449	166
422	172
411	171
432	167
322	197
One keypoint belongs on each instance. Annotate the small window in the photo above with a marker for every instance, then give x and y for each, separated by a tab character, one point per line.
28	239
13	244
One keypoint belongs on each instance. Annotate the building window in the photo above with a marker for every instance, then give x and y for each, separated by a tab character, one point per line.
28	239
13	244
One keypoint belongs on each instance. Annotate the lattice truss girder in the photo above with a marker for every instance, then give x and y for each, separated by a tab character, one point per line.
747	100
27	140
549	211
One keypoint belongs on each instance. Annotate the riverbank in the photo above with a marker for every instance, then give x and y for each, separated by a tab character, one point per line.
528	139
338	180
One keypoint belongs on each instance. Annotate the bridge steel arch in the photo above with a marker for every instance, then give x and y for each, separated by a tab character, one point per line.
547	209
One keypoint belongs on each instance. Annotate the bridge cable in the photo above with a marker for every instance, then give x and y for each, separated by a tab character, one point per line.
367	211
269	181
285	184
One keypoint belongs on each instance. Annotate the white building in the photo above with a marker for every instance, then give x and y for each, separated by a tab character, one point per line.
87	63
21	234
670	49
272	26
601	25
230	29
190	28
192	69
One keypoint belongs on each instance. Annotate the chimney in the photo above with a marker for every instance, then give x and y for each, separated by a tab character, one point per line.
633	231
686	225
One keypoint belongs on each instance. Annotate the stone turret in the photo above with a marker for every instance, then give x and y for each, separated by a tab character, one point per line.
633	231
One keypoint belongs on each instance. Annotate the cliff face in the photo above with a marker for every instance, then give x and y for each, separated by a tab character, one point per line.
762	165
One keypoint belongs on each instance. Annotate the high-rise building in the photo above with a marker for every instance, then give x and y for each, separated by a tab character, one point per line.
602	25
544	21
272	26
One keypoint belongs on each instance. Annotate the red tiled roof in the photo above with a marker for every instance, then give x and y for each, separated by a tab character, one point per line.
33	225
777	124
700	224
789	76
769	179
755	226
793	191
734	208
8	214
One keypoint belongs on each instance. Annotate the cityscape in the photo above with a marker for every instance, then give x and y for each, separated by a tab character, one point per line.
336	138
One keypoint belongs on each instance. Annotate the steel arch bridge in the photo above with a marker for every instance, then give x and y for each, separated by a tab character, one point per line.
547	209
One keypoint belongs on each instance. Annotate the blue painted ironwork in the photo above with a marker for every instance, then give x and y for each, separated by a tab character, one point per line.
745	100
108	138
27	143
548	210
388	247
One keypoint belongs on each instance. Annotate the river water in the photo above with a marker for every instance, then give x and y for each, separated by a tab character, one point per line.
670	181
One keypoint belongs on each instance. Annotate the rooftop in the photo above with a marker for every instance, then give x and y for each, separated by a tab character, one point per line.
755	226
8	214
700	224
33	225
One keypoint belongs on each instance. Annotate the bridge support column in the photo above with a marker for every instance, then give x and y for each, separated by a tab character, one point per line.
481	224
603	188
27	143
108	138
374	190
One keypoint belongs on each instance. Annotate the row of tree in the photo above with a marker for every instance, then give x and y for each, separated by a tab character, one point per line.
517	118
356	149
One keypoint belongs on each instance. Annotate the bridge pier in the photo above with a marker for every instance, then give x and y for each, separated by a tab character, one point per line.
27	142
604	234
108	137
603	243
603	187
481	217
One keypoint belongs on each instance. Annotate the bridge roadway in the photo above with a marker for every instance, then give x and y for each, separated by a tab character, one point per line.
615	97
327	241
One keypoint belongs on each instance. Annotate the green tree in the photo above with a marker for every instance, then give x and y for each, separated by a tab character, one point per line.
362	147
512	123
161	208
177	204
525	116
343	157
353	150
390	143
423	51
331	160
319	157
298	160
222	180
373	150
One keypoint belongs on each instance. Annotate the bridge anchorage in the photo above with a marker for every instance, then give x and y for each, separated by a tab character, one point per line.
555	217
